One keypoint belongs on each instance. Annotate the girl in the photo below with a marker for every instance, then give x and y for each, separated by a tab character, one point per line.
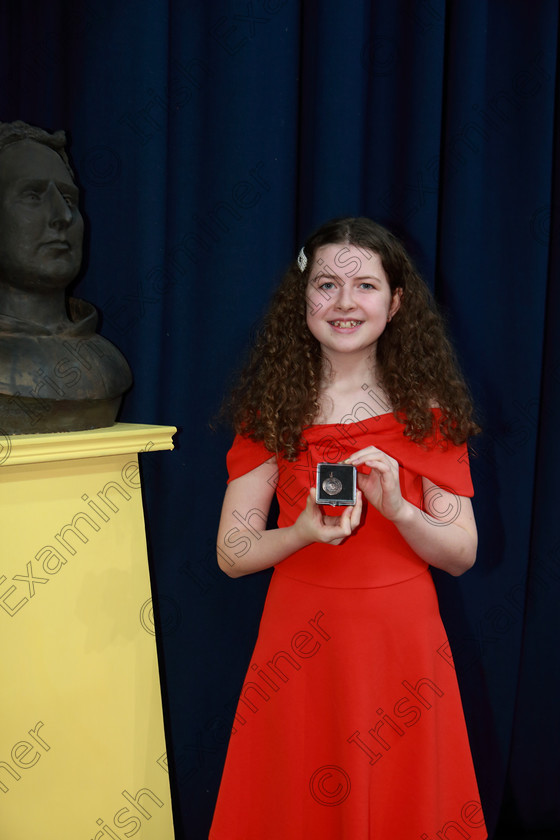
350	725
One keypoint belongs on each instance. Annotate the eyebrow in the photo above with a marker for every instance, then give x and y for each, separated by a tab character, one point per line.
332	276
40	183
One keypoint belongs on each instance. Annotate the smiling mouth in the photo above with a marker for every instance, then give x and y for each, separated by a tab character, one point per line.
345	325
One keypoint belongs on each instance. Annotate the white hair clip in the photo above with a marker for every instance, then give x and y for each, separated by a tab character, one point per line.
302	260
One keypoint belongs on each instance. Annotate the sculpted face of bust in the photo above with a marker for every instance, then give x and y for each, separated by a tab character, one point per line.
41	228
56	373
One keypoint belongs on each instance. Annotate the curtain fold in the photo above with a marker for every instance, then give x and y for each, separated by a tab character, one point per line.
532	798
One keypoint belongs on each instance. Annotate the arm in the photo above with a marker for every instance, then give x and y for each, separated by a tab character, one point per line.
443	533
244	545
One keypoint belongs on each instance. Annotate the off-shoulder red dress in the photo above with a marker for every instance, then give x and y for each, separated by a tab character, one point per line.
350	724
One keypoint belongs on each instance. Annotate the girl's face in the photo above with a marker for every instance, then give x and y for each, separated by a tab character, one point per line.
349	300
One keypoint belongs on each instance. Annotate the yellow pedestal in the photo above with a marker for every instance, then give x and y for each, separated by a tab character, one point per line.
82	750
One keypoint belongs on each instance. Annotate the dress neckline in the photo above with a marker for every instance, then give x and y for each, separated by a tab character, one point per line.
378	422
375	418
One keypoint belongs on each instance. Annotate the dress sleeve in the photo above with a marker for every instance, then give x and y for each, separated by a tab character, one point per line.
442	462
245	454
449	468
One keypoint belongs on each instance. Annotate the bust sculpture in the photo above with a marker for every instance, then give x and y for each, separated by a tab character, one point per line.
56	373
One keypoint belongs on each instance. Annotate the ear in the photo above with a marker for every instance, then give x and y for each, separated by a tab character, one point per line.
395	302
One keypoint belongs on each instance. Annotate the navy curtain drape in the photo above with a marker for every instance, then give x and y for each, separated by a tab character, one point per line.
209	138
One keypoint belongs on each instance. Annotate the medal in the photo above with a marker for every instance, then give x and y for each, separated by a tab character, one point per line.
331	485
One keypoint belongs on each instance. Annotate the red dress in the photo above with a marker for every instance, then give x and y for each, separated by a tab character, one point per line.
350	724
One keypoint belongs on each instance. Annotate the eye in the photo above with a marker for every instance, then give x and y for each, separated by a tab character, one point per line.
327	286
32	196
367	286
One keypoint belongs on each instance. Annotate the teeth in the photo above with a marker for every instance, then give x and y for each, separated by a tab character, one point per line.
345	324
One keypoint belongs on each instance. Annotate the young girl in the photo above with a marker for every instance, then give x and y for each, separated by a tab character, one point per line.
350	725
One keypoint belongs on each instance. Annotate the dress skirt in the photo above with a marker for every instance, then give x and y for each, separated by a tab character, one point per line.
349	724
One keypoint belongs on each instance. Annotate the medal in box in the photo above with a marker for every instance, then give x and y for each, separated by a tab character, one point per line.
336	484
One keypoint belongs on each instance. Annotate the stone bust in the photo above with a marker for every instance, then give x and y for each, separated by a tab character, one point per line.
56	373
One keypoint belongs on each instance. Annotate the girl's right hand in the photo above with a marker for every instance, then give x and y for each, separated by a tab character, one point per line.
315	526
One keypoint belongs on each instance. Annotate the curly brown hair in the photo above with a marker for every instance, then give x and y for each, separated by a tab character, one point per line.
278	392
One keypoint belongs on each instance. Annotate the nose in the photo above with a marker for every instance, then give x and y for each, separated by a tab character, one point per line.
60	213
345	300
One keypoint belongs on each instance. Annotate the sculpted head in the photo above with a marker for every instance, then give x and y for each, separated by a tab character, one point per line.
41	228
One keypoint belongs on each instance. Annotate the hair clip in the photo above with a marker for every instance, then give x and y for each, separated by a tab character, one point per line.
302	260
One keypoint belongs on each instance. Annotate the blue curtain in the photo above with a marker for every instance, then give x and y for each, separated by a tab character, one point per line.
209	138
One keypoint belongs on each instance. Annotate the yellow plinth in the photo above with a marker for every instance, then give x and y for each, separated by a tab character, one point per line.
82	749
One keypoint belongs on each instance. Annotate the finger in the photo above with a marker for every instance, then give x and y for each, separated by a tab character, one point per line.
352	514
343	522
363	455
385	473
359	457
311	502
360	452
357	510
370	480
378	458
331	533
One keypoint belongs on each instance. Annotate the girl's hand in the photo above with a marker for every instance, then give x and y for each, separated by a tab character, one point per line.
451	548
315	526
381	487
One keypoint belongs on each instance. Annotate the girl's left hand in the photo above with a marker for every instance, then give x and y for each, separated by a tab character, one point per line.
381	487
